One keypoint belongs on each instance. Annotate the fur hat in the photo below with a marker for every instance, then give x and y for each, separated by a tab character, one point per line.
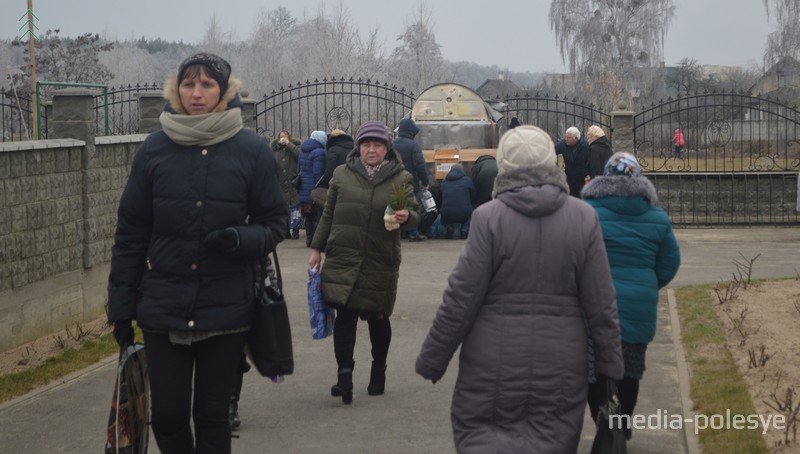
217	67
320	137
336	132
622	164
524	145
374	130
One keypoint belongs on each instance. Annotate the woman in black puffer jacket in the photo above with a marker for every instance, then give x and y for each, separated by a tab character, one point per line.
201	205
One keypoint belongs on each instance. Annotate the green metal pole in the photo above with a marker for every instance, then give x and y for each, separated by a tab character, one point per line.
105	107
38	114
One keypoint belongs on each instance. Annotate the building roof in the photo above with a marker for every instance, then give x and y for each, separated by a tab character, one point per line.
498	88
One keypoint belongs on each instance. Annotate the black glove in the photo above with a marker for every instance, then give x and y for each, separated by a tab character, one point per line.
223	241
123	333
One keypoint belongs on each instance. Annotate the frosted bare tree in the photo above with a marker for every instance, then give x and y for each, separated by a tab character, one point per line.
269	51
330	45
215	40
605	40
687	77
785	40
417	62
130	64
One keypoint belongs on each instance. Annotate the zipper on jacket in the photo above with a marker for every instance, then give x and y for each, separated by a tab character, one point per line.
149	265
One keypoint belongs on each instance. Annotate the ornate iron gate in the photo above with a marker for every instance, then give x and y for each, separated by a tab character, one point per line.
739	165
330	104
555	114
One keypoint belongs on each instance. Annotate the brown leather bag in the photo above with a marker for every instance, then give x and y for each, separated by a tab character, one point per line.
319	196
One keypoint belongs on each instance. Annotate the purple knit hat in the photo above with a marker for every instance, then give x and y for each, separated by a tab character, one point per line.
375	130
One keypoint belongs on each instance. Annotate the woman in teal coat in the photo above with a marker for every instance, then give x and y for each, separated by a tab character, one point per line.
644	257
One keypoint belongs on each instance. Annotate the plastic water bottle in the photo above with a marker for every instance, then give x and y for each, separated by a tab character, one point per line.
427	201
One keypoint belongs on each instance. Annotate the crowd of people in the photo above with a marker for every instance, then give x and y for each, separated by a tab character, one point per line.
567	264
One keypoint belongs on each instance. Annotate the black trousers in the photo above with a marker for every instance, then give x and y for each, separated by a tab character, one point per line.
344	337
211	363
238	378
311	220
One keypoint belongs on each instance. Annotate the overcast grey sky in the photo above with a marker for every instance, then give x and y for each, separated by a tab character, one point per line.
513	34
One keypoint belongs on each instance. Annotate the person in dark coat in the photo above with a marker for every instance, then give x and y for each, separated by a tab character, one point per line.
311	167
599	151
644	257
202	203
484	171
533	268
338	146
411	154
287	151
455	201
575	152
362	257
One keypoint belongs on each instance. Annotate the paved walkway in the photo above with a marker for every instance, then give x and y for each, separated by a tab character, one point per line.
300	416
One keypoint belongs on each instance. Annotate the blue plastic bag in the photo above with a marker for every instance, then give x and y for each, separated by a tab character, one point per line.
321	317
295	217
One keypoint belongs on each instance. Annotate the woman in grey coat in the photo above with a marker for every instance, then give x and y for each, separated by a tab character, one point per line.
533	268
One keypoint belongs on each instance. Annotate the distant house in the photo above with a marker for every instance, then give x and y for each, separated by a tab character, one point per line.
781	82
499	88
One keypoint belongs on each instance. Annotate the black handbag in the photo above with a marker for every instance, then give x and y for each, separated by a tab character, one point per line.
296	181
269	341
610	436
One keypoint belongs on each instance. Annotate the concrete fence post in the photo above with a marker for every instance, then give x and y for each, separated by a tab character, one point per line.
151	104
248	111
622	130
73	117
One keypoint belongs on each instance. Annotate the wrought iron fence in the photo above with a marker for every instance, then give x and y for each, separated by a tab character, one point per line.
16	115
554	114
123	109
330	104
724	132
740	164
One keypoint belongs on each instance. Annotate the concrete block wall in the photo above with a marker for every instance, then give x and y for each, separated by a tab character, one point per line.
58	214
58	201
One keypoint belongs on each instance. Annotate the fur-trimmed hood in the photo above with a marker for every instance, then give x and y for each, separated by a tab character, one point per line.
532	190
621	186
229	100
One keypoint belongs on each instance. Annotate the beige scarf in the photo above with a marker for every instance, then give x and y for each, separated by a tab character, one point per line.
372	170
206	129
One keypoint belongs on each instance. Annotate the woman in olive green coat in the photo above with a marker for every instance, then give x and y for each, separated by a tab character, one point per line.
287	150
362	257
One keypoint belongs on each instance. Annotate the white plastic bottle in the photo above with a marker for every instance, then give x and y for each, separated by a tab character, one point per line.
427	201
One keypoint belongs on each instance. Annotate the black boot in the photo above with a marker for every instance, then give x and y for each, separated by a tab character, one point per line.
233	415
344	386
377	379
295	234
309	232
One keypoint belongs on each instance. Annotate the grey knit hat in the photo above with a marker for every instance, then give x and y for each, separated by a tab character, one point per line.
524	145
218	69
